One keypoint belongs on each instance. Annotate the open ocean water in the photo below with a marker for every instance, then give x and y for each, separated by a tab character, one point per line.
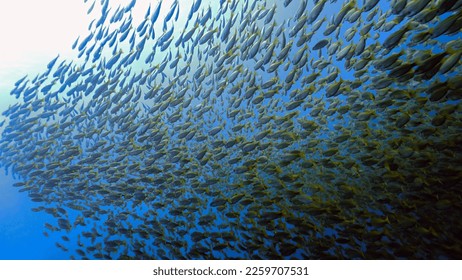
239	129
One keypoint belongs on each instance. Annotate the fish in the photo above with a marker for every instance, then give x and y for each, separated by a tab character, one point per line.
85	42
266	130
156	12
445	25
321	44
130	6
91	7
170	13
396	37
316	11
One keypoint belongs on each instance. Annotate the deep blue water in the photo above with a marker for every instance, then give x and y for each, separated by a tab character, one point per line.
360	197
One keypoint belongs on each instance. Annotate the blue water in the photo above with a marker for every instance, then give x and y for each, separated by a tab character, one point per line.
21	230
165	217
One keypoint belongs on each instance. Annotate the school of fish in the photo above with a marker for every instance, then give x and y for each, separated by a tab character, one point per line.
254	129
